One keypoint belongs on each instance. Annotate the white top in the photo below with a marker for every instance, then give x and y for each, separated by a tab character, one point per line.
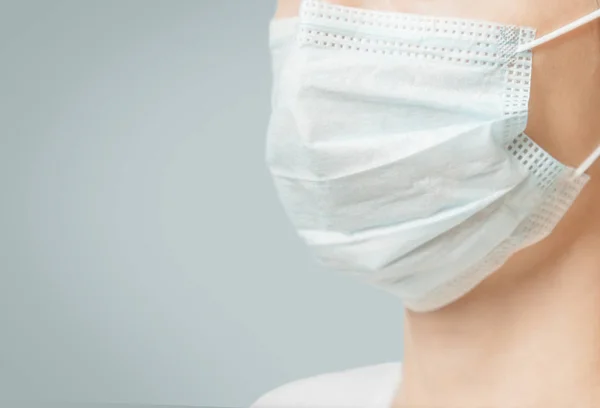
372	386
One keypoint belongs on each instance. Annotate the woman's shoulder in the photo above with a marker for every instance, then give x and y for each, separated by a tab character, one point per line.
357	386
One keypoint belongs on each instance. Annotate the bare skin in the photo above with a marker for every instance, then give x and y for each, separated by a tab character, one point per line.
529	335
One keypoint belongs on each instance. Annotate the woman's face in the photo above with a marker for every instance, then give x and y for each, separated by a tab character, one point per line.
564	102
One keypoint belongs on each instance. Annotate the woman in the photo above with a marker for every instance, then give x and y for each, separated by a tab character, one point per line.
446	151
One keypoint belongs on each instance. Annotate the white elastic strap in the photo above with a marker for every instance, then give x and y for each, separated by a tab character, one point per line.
588	163
549	37
561	31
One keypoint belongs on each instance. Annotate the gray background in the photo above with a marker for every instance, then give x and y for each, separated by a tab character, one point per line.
144	256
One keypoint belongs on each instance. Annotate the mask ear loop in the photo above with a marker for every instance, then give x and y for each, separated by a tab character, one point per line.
587	163
561	31
549	37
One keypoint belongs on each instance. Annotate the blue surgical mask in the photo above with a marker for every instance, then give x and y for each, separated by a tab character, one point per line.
398	151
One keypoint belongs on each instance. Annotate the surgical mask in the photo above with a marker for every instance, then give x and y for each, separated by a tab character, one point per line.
397	147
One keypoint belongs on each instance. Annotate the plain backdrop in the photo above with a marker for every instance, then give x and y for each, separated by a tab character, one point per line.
144	257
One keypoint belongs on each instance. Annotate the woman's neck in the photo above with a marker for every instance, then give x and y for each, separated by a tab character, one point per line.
521	339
